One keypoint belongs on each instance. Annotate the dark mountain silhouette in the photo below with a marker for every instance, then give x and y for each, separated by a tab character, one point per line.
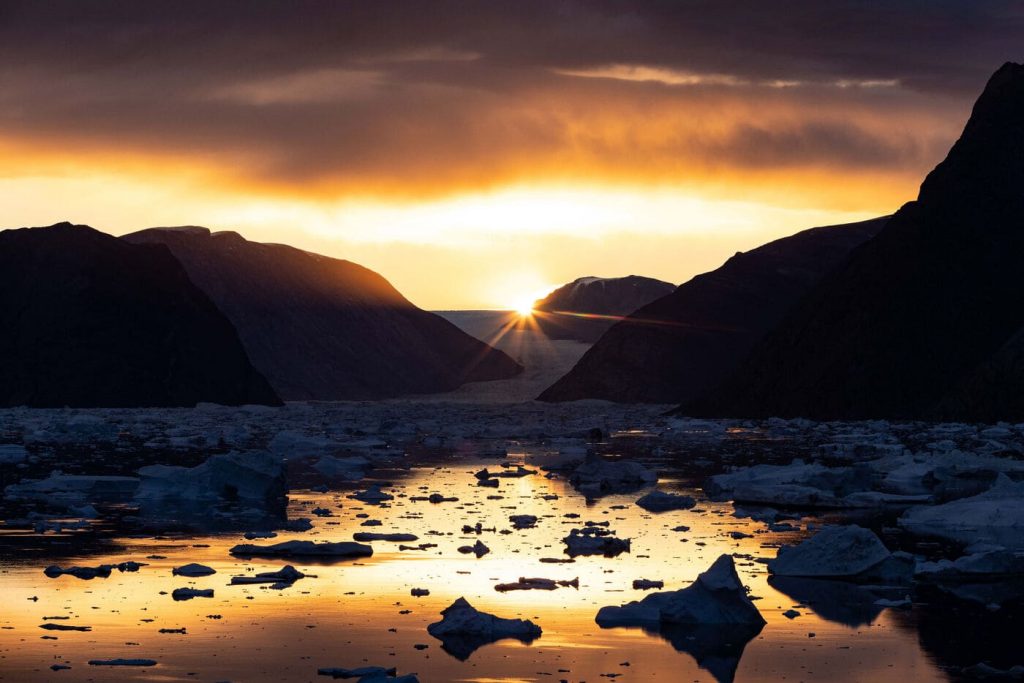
585	308
87	320
924	320
321	328
680	345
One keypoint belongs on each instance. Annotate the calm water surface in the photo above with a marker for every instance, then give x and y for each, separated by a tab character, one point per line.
361	612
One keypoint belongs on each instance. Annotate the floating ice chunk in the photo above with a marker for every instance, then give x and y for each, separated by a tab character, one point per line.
338	672
464	628
254	477
523	521
518	472
12	454
76	428
692	428
369	674
372	495
193	570
995	516
984	565
87	573
894	604
833	552
797	484
659	501
716	597
598	476
179	594
129	566
351	468
985	671
304	549
285	576
568	458
594	541
296	446
525	584
42	526
253	535
64	627
478	549
367	536
73	489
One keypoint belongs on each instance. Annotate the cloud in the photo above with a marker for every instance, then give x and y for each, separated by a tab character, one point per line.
431	98
308	87
675	77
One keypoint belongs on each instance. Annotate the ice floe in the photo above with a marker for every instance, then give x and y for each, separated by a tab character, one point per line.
995	516
659	501
598	476
464	628
847	552
326	549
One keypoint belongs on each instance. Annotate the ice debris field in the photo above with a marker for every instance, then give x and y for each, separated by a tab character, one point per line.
406	541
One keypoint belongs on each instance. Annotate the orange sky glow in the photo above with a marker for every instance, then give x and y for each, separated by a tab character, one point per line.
472	169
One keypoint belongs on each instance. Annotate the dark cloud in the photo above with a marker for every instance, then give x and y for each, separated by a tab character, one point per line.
428	93
930	42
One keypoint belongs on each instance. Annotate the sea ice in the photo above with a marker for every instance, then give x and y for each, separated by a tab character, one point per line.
716	597
659	501
304	549
464	628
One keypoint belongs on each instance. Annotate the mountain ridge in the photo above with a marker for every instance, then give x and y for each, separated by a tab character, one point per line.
91	321
905	327
587	307
322	328
676	347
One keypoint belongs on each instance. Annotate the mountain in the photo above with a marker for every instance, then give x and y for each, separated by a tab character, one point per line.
87	320
586	307
321	328
680	345
923	321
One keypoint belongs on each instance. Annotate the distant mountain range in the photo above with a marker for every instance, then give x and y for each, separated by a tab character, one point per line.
680	345
321	328
925	320
88	320
585	308
915	316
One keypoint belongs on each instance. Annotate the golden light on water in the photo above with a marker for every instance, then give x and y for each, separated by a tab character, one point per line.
362	611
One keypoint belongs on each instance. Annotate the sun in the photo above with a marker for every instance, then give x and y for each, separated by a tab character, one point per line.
518	291
524	307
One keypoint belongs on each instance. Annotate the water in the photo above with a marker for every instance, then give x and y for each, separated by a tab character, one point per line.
361	612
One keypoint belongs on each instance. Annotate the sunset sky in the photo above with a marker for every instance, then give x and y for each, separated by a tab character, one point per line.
475	153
